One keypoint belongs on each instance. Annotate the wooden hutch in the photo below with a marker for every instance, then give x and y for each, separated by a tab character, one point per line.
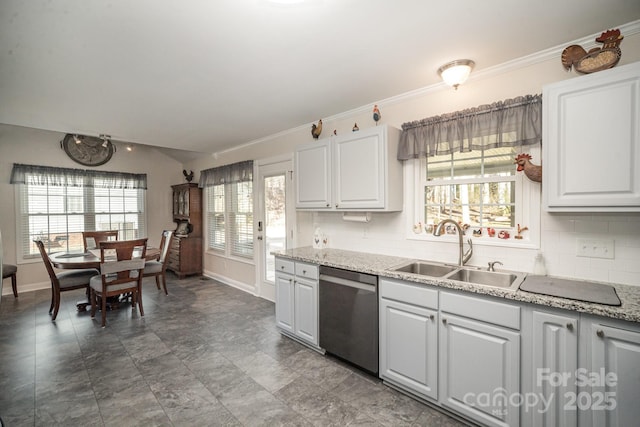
185	253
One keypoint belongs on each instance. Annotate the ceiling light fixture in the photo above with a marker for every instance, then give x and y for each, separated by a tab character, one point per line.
106	140
456	72
77	139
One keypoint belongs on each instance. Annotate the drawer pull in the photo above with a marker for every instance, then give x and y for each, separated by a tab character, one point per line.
570	326
431	317
444	321
600	333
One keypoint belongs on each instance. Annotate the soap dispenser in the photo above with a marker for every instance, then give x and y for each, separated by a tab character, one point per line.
538	265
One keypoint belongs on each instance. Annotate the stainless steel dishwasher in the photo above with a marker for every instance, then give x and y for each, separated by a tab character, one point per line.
349	316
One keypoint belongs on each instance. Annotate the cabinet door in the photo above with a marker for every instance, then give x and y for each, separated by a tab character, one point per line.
555	351
359	170
306	309
480	370
409	347
313	175
615	352
285	302
591	134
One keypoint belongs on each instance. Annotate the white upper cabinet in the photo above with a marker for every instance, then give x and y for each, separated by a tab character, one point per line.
591	142
313	175
352	172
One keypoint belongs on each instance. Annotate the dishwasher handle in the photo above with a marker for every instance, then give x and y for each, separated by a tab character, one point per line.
346	282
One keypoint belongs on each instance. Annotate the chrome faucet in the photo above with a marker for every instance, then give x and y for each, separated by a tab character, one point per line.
462	258
492	265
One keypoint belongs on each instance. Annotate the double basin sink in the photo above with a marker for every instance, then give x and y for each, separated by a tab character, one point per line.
466	274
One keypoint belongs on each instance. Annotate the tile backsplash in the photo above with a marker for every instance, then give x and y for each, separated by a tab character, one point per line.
560	234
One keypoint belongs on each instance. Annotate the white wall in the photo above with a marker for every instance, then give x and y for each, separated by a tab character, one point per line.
388	233
39	147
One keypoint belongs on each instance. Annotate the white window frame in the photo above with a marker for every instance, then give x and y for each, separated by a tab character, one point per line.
89	215
227	252
527	203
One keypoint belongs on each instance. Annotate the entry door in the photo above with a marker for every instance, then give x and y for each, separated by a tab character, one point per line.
275	219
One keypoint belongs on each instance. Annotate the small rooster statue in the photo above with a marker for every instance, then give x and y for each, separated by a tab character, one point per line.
187	176
597	58
376	114
533	172
316	130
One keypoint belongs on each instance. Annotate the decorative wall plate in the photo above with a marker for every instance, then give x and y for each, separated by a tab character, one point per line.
91	151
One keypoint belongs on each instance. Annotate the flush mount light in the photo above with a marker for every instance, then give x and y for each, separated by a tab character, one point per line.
77	139
456	72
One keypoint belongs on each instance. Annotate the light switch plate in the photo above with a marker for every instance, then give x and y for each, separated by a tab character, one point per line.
596	248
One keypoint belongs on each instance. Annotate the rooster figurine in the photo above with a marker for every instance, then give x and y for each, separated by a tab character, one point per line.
187	176
376	114
316	130
533	172
596	59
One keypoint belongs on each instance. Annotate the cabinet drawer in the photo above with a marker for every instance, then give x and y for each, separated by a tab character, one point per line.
408	293
285	266
475	307
310	271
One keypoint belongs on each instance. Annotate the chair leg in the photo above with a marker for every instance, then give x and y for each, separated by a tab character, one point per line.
139	298
14	285
53	299
164	284
56	306
158	282
104	310
92	299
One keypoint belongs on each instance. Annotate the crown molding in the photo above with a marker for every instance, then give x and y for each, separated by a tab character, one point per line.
551	53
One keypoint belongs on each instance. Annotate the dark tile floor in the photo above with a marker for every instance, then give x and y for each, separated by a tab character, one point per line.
205	355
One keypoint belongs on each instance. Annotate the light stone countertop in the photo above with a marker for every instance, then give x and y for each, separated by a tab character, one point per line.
380	265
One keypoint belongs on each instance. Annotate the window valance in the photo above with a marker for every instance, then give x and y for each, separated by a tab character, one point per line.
54	176
228	174
513	122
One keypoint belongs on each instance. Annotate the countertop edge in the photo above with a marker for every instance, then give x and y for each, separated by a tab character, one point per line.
380	265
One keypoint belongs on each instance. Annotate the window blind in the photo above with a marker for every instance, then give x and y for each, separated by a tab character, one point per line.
56	205
230	208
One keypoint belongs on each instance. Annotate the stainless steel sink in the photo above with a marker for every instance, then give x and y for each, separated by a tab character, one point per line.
425	269
498	279
488	278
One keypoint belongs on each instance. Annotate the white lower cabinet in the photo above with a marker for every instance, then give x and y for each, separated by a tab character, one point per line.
409	337
479	360
285	301
306	309
297	300
613	373
550	353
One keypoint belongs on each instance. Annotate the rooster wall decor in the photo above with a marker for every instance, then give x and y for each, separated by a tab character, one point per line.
598	58
316	130
533	172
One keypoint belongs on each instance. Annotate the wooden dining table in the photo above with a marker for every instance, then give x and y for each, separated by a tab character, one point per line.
89	259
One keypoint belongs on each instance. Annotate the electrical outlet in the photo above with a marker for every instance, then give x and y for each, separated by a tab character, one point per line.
596	248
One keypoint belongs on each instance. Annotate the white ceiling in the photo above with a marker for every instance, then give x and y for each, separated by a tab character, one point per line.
206	75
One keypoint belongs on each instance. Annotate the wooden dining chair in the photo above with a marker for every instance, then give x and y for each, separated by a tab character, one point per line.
158	268
64	281
91	239
120	273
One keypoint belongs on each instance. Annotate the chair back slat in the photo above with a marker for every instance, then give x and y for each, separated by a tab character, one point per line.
92	239
111	267
165	244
